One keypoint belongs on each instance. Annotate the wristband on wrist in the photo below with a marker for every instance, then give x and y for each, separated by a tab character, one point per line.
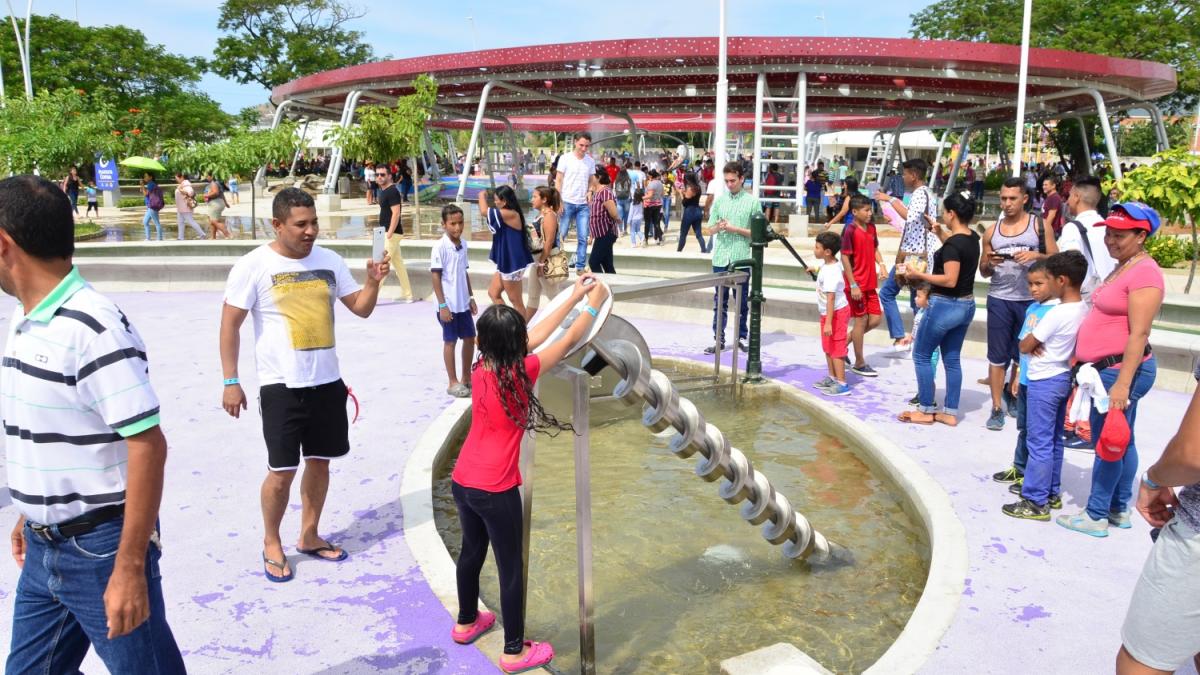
442	305
591	310
231	381
1148	482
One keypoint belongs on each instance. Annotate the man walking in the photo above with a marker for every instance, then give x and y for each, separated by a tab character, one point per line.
729	220
391	203
572	177
290	286
85	456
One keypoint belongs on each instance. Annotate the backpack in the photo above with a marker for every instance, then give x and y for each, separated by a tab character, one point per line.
155	200
621	188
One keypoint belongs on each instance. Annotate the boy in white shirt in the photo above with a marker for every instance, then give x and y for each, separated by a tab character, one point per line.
1050	344
835	314
452	286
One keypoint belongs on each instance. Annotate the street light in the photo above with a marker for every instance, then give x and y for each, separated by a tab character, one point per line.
1022	78
474	40
824	28
23	46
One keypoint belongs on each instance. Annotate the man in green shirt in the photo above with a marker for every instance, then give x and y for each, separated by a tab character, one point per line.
729	223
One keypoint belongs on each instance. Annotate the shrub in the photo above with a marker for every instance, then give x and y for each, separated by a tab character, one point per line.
1167	250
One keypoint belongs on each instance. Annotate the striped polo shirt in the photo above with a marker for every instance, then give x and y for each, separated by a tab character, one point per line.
74	384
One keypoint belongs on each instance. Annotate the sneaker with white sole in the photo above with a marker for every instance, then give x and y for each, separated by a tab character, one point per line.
996	420
1082	522
864	370
1119	519
837	389
823	383
1026	510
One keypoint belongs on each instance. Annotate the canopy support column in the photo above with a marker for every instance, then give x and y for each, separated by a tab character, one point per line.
892	149
296	157
335	158
258	175
1160	129
937	161
958	159
474	142
1102	111
1087	146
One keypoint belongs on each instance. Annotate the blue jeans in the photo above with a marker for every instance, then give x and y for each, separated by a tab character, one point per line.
666	216
1112	482
1046	408
692	217
580	214
722	294
944	327
151	214
623	211
891	310
1021	451
59	608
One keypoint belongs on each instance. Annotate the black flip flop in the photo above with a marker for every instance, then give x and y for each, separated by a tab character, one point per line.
316	553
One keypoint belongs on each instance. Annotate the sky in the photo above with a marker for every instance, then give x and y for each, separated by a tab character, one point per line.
403	28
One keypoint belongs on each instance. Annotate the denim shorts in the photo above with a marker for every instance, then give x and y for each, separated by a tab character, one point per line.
1004	321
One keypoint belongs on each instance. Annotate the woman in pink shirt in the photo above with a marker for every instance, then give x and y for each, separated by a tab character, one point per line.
1115	339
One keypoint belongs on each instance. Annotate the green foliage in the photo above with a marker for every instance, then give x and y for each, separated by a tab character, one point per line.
1163	31
1167	250
1171	184
249	116
53	131
1139	140
276	41
993	181
240	153
386	133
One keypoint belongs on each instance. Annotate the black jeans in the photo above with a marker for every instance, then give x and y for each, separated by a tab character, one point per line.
693	217
653	222
491	517
601	258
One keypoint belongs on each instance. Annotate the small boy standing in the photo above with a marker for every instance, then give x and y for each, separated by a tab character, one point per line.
92	200
1039	287
452	286
637	219
921	293
835	314
1050	344
862	266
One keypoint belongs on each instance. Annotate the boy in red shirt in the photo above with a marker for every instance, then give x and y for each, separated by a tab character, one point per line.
863	266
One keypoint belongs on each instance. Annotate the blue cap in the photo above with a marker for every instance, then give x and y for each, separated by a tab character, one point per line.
1130	215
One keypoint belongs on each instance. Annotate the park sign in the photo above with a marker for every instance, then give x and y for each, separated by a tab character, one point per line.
106	174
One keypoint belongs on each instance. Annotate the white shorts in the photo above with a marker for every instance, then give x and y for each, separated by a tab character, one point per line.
1162	626
537	286
512	276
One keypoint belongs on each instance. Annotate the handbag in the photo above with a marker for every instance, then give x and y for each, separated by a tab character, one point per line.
533	241
557	265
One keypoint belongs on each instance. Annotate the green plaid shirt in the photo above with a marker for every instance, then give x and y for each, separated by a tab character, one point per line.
728	247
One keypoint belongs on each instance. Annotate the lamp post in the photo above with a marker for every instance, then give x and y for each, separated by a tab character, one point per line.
824	27
1022	78
23	45
474	40
721	126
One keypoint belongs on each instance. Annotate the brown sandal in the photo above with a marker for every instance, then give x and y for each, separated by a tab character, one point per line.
908	418
948	420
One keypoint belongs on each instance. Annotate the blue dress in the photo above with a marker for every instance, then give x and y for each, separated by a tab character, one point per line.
508	245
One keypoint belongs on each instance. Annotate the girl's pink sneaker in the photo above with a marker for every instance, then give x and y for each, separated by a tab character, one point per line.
537	655
483	623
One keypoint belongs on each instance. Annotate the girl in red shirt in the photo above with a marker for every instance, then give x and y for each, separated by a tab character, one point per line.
487	477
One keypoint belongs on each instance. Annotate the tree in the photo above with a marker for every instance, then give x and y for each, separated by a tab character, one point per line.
1139	140
276	41
55	130
243	152
1172	186
1167	33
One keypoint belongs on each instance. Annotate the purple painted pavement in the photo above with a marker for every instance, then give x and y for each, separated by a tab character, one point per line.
1038	597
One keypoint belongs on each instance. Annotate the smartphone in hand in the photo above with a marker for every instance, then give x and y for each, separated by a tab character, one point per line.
378	244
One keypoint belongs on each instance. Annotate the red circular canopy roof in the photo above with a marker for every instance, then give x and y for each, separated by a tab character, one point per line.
669	84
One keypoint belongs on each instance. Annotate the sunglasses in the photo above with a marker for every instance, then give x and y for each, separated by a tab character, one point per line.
381	175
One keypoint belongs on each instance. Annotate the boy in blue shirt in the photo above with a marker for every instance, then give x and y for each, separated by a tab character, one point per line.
1039	287
92	198
1050	345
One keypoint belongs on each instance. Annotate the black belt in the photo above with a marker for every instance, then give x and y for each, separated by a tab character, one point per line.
1115	359
80	524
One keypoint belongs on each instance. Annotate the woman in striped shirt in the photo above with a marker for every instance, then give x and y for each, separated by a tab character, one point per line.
602	226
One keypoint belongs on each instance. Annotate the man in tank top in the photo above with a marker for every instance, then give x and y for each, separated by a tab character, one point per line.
1010	246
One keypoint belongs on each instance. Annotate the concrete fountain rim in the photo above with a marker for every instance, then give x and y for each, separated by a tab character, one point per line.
927	500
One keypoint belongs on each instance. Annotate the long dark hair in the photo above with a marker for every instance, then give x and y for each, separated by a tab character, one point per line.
510	201
503	345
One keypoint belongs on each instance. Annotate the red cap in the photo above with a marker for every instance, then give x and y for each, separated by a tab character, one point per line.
1114	439
1120	220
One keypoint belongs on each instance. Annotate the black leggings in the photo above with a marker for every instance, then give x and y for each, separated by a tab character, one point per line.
692	219
601	258
491	517
654	222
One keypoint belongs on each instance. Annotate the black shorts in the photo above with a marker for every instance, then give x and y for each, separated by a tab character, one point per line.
311	420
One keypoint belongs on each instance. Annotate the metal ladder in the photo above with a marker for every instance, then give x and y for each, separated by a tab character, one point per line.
778	142
876	155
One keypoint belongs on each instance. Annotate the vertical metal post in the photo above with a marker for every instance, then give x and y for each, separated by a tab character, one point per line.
721	123
937	161
891	150
475	130
737	327
335	158
258	175
1106	126
719	307
1087	146
758	246
1160	129
759	93
299	148
962	150
581	382
1022	79
801	127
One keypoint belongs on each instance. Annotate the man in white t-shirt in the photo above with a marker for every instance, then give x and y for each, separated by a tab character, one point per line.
289	287
1079	233
572	178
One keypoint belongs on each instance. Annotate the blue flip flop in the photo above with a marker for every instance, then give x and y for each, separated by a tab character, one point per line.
277	578
316	553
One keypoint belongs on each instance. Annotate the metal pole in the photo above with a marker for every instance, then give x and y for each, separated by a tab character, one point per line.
466	172
1022	79
937	161
1106	126
1087	146
22	50
962	150
720	303
583	519
737	328
759	92
296	157
891	151
1160	129
721	123
758	247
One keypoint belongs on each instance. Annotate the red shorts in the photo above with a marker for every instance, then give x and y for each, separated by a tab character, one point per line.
868	305
835	345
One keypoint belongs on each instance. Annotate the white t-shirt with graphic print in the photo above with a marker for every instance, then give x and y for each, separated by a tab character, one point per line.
291	302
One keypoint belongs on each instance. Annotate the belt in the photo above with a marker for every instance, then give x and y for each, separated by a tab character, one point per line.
1115	359
79	524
